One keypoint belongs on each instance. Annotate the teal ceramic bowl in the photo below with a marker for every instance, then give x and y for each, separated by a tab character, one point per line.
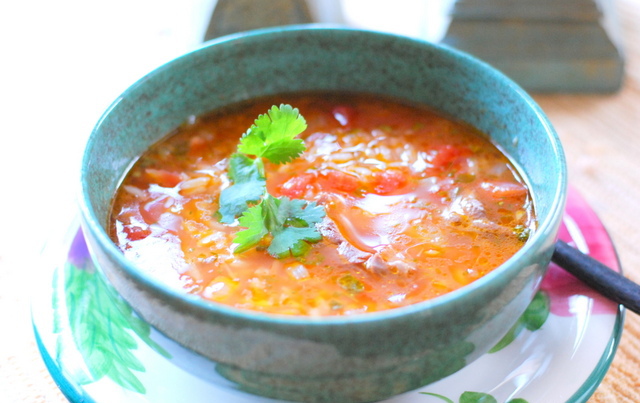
358	358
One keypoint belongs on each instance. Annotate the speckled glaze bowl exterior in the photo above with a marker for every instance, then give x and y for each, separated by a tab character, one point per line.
339	359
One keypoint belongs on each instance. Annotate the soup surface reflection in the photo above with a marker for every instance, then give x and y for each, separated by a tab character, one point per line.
417	205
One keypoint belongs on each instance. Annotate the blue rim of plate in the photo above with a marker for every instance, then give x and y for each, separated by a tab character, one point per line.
76	393
66	386
589	387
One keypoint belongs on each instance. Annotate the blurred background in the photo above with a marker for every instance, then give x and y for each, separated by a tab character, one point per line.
64	62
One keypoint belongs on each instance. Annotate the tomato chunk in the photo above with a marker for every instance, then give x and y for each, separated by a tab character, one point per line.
297	186
447	155
135	233
340	181
389	181
163	178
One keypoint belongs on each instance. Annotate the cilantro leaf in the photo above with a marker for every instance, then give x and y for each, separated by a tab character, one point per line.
298	213
288	225
272	135
291	223
283	151
248	186
244	169
255	229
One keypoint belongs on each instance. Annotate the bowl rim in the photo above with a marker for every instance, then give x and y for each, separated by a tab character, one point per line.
533	244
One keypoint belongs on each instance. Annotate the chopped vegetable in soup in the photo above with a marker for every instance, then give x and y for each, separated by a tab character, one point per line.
400	204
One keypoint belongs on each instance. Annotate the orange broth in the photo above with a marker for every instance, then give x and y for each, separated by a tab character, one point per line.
417	205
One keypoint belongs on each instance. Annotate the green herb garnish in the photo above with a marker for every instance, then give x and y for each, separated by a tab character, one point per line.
288	226
522	233
351	284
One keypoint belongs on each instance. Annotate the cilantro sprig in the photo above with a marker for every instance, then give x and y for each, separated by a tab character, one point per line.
272	136
287	226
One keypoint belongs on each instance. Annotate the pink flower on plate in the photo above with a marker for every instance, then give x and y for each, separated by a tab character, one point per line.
580	228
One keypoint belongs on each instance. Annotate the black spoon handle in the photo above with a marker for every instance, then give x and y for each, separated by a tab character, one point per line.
601	278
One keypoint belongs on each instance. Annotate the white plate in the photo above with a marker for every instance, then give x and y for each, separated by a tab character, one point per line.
97	350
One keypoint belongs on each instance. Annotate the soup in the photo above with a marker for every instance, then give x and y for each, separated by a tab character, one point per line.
414	205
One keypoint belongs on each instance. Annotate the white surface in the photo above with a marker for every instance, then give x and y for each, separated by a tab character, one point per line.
63	62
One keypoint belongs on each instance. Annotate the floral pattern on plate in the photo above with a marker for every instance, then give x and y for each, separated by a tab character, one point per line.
98	350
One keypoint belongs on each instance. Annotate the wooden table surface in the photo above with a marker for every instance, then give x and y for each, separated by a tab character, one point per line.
601	138
57	78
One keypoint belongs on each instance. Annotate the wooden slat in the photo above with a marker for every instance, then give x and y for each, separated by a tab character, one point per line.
601	138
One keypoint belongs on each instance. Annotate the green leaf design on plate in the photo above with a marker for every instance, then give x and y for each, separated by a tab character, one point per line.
102	327
446	399
532	319
473	397
477	397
